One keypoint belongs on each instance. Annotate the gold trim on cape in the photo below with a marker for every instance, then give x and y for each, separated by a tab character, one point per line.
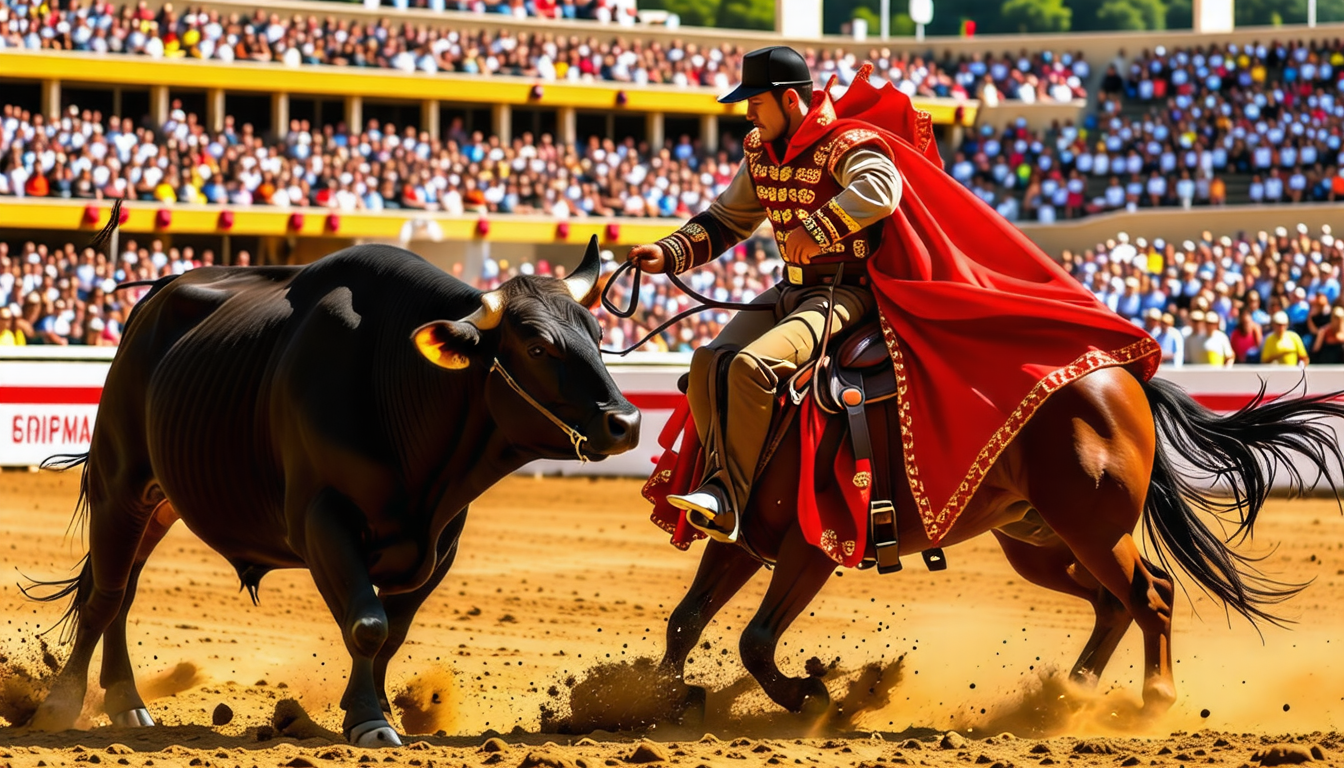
937	525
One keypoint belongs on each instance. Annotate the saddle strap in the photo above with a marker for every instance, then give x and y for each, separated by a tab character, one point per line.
882	529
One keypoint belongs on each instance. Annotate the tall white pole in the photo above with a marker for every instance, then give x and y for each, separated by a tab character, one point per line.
1311	13
919	32
886	18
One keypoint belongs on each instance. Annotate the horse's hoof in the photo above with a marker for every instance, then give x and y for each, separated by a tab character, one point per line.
693	706
1158	697
817	702
133	718
57	713
375	733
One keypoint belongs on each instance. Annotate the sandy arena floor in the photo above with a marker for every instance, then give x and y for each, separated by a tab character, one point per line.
558	578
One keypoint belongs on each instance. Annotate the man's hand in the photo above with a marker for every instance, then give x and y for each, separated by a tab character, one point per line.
799	247
648	257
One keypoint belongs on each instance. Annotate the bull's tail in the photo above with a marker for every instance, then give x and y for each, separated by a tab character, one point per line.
1241	452
79	586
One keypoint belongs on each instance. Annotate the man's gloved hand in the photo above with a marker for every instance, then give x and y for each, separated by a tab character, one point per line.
648	257
799	247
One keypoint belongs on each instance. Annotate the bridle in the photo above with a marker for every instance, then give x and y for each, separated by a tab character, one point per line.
576	438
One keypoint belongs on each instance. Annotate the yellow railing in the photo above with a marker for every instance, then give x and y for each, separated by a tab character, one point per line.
449	88
145	217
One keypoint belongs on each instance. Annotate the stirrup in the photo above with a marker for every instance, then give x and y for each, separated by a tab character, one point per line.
696	519
700	517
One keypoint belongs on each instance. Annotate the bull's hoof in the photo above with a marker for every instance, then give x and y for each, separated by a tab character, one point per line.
375	733
133	718
693	707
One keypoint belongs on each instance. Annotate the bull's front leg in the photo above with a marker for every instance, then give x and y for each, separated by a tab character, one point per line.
724	570
401	608
331	549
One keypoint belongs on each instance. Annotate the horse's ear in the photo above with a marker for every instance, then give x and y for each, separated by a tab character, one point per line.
445	343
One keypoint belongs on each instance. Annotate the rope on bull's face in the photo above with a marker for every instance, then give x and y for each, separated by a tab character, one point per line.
576	438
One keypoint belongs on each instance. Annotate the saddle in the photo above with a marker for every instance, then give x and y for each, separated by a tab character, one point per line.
858	374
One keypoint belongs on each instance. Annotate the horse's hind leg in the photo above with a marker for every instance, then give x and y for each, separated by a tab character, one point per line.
1052	565
1102	543
117	522
724	569
122	701
800	573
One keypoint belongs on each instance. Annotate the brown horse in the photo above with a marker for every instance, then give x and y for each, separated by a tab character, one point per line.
1063	500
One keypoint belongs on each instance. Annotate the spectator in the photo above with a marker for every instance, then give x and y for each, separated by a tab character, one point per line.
1246	339
1282	345
1171	341
1326	349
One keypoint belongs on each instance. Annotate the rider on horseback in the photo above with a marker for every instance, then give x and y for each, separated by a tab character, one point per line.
822	194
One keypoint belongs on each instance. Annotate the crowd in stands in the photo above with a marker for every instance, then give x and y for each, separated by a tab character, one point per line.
85	156
68	295
546	54
1262	297
1271	115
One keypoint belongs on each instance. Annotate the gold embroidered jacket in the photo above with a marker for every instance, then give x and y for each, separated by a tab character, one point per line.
834	189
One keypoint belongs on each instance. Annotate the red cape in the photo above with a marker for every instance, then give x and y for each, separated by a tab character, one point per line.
981	325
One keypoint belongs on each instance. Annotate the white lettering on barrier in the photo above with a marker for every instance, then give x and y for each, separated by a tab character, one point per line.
31	433
60	418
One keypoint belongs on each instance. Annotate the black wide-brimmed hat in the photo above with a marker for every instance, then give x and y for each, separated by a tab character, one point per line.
766	69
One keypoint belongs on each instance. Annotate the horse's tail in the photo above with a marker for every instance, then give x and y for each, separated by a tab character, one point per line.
79	586
1241	453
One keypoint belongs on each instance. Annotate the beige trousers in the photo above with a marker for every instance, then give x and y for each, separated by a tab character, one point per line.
773	345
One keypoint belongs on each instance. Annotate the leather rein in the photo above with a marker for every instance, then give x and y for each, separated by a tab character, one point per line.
705	303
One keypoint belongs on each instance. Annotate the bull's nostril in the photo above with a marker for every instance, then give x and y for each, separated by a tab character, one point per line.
620	424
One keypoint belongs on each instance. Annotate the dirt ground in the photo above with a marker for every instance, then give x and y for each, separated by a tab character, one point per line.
562	589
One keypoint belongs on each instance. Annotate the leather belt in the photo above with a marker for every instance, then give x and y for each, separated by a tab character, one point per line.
806	275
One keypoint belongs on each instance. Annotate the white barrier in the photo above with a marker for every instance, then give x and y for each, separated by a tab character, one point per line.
49	399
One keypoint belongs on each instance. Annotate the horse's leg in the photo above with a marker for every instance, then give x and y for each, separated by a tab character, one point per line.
1149	595
1088	460
118	517
800	573
1053	565
122	701
401	608
723	571
332	551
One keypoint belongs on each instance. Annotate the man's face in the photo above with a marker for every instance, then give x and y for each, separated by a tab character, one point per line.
764	112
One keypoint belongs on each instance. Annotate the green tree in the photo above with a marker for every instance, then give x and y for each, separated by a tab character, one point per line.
901	23
1036	15
693	13
1180	14
1109	15
746	14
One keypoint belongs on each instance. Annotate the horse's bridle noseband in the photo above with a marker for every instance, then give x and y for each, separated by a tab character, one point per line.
576	438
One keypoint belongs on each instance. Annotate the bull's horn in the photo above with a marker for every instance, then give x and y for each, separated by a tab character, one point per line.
490	312
581	282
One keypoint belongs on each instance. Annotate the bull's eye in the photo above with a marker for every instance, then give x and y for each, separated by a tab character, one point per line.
536	350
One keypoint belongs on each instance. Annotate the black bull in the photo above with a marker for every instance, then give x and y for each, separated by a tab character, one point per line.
326	417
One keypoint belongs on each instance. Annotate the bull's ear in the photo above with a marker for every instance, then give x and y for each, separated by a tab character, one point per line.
446	342
583	282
